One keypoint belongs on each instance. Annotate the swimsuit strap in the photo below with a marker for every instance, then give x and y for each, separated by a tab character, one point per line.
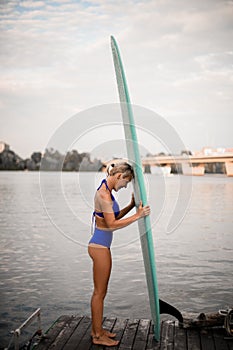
104	181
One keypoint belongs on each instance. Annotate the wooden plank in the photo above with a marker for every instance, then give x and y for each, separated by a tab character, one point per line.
65	333
207	340
152	344
230	342
53	332
98	347
78	334
180	338
86	341
143	330
109	323
129	335
163	336
167	335
193	340
118	328
171	334
219	339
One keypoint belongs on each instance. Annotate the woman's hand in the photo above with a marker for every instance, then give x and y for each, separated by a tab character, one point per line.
143	211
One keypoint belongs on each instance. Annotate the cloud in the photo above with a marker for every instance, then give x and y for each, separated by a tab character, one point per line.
58	53
31	4
220	61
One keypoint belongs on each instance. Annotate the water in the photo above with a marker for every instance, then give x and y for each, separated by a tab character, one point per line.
44	261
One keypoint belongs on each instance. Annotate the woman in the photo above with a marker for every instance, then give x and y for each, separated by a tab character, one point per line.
108	218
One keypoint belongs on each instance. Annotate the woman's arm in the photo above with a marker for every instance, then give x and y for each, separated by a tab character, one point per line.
114	223
127	209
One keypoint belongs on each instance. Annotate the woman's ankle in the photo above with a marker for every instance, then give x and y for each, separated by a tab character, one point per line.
98	334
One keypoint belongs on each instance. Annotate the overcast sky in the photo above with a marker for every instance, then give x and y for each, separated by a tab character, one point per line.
55	61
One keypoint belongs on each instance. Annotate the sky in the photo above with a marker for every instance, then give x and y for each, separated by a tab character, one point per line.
55	61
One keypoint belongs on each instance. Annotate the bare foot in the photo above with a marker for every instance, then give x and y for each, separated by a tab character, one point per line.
107	333
104	340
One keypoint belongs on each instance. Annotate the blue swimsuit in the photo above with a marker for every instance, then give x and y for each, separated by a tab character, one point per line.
100	236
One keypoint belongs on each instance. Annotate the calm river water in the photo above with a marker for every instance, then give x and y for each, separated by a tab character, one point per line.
45	226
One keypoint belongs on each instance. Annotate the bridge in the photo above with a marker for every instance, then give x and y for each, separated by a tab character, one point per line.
193	164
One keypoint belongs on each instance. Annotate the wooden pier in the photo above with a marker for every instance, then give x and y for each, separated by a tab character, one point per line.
73	332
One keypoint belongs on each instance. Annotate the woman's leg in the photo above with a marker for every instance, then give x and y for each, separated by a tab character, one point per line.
102	264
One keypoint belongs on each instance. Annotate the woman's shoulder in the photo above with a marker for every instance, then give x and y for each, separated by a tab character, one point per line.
103	194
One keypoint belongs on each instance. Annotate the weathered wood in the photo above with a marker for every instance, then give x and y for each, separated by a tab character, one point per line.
140	342
167	336
78	334
171	331
207	340
65	333
193	340
152	344
118	328
129	335
86	341
53	332
180	338
109	323
230	343
74	333
219	341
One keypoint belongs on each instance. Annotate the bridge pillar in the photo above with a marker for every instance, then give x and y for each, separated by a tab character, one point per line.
229	168
193	169
160	170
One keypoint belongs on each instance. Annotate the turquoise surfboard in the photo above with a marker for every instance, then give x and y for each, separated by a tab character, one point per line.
139	188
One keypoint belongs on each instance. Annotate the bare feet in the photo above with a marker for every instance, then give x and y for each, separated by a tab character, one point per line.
107	333
104	340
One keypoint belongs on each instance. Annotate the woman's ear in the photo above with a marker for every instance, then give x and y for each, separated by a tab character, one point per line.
119	176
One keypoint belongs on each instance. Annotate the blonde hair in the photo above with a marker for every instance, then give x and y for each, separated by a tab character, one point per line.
123	167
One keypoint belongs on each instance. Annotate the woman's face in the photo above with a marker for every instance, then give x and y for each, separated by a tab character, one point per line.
121	182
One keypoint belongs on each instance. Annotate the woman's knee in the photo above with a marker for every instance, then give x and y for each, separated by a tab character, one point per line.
100	294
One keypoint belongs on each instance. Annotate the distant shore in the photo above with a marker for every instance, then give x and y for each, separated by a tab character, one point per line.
53	160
